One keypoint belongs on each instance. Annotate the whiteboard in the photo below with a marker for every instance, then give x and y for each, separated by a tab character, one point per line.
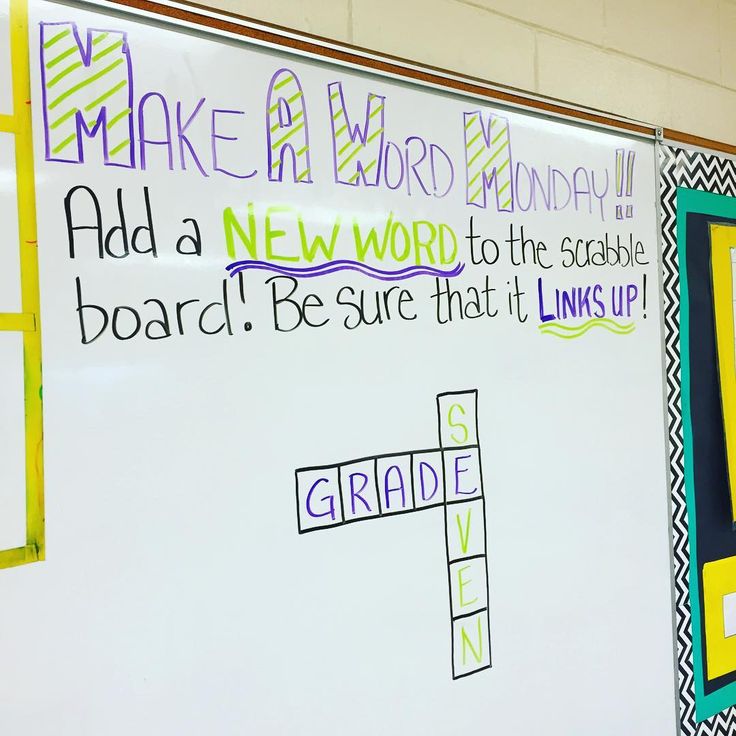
244	532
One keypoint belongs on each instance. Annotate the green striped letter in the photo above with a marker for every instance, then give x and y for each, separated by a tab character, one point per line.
87	92
488	160
287	133
357	149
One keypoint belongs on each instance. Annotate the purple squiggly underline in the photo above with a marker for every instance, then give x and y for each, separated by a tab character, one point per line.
345	265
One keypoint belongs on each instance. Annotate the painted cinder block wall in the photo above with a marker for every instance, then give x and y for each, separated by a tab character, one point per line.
671	63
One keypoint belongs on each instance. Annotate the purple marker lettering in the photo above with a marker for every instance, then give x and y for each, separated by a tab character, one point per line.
219	137
458	471
329	498
488	161
70	110
388	489
631	293
568	304
600	196
184	139
284	113
143	141
390	146
617	311
357	150
601	307
539	187
356	494
434	149
584	300
558	176
423	465
287	130
543	316
517	182
581	186
411	167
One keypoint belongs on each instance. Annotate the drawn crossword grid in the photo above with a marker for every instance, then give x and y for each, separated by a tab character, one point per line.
449	477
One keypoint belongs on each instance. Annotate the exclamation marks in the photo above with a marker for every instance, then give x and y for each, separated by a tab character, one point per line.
624	181
247	326
644	292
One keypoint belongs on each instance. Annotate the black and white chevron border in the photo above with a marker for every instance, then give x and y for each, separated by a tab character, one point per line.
694	170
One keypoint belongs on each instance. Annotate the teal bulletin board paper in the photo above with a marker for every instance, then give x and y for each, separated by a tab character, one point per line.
717	205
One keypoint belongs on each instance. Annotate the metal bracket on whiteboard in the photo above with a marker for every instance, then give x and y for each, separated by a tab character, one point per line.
658	135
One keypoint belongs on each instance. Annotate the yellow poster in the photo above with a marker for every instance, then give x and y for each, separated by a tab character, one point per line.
28	320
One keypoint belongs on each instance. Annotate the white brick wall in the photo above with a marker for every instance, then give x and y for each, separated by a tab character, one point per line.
484	45
671	63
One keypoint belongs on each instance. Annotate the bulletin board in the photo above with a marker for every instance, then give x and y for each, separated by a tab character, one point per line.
698	213
334	394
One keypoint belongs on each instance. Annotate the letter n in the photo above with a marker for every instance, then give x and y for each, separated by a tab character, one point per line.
87	91
287	133
467	642
356	148
488	160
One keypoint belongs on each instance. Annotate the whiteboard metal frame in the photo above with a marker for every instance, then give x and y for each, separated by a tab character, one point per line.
665	426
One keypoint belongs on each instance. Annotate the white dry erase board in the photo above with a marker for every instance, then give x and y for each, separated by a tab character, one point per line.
351	399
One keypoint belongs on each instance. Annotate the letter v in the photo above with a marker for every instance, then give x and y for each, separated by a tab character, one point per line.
464	537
